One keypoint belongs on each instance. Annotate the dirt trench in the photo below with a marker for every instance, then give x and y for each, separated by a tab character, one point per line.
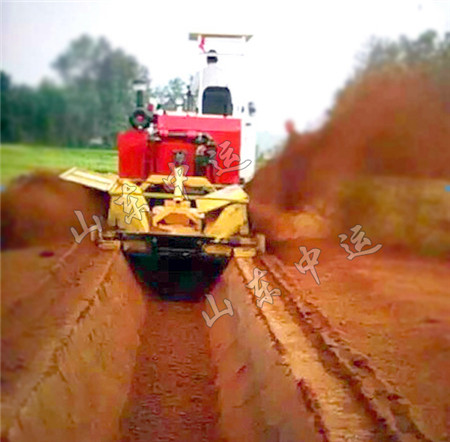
172	395
92	352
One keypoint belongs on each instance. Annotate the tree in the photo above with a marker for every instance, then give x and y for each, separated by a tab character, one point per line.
404	52
428	53
95	98
98	80
51	124
18	111
6	123
168	95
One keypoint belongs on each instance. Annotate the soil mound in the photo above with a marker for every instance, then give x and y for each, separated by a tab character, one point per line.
387	123
39	209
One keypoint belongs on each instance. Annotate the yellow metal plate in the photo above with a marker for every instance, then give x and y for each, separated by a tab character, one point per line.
99	181
233	193
128	208
244	252
217	249
189	181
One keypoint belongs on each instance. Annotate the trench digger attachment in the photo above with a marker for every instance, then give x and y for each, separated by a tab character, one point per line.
177	215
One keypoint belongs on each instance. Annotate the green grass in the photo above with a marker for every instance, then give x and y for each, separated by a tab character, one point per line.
18	159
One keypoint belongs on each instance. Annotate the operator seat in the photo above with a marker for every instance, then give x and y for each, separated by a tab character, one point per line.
217	101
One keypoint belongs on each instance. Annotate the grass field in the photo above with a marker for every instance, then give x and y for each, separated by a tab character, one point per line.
18	159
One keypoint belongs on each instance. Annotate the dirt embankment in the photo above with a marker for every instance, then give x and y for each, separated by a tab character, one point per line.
70	317
387	124
39	209
71	331
391	124
69	340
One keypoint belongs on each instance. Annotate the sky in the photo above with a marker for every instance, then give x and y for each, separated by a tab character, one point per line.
301	52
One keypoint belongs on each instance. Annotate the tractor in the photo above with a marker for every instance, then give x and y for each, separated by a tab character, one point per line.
179	191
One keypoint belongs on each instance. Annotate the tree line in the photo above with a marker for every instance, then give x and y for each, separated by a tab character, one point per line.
429	54
93	98
89	104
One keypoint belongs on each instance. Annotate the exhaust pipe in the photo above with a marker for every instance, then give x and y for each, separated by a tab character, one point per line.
140	118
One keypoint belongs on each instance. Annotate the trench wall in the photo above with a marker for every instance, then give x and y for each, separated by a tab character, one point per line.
78	379
259	399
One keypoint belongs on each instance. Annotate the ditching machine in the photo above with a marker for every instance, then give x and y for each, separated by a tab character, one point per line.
179	189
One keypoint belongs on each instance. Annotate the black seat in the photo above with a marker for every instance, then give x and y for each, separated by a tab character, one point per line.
217	101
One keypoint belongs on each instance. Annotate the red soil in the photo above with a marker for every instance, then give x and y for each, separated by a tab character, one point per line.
39	209
387	123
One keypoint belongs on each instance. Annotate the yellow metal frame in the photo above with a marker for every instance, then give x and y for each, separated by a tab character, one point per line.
189	181
128	208
177	214
130	212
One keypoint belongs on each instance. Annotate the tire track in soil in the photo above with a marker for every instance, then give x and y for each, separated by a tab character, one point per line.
173	396
380	400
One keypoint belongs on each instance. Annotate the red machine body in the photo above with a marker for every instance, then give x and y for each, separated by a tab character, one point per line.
133	154
141	155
